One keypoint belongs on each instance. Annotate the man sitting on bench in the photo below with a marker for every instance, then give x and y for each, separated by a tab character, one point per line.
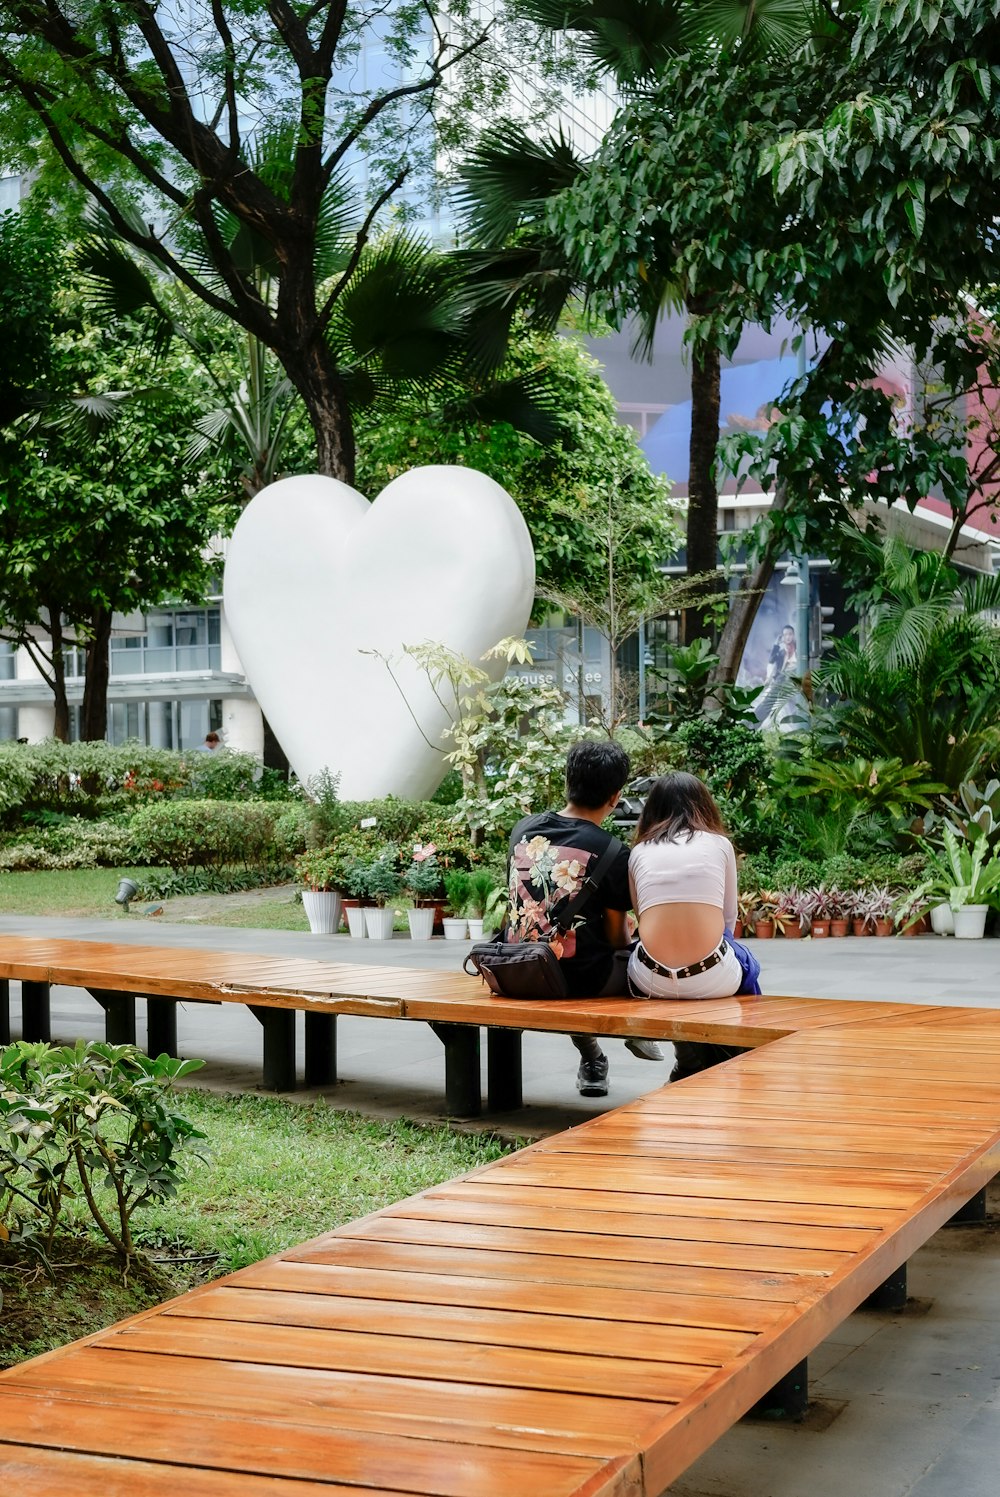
548	860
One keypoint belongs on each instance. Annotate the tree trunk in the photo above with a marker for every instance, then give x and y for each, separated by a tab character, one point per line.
60	725
743	607
318	381
703	492
94	718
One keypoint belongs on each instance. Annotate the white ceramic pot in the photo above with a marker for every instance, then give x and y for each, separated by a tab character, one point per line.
323	911
970	922
942	920
356	921
421	923
379	924
455	929
475	929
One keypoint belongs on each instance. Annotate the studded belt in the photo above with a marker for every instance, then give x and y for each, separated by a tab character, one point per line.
705	965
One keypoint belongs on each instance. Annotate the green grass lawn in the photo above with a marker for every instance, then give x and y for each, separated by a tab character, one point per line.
64	891
276	1173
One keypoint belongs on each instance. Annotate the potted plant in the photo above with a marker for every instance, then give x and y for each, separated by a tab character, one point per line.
324	873
839	905
878	903
789	917
422	880
383	883
970	875
815	911
457	889
746	903
481	888
355	894
764	915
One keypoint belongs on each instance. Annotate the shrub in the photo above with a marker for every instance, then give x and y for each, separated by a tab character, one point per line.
71	844
191	834
291	831
165	883
86	1117
223	775
85	779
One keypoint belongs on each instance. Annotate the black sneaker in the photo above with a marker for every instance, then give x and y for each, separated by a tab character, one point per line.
592	1077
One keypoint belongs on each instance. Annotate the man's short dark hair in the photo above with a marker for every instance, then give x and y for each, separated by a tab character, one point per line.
596	769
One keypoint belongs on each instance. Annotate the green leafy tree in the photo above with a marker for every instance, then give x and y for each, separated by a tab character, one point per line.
557	484
98	512
248	143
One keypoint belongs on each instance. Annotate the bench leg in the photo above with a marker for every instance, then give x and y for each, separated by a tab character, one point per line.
321	1049
278	1025
463	1095
161	1026
973	1213
788	1399
4	1011
36	1014
503	1070
889	1296
119	1015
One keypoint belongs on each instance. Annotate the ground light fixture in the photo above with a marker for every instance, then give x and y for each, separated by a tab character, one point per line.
127	889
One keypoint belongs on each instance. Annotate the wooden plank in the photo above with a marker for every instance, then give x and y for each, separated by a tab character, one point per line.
33	1472
595	1211
766	1258
646	1341
308	1452
718	1313
411	1405
589	1273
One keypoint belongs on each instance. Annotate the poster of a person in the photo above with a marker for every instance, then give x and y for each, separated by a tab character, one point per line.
777	705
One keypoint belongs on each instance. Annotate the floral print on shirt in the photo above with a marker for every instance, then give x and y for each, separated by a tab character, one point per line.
542	878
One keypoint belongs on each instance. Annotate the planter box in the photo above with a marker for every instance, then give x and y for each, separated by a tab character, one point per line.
378	923
356	921
323	911
970	922
421	923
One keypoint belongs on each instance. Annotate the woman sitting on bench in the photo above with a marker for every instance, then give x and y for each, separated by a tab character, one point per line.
682	872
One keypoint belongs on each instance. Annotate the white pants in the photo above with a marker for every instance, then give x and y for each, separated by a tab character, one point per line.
720	981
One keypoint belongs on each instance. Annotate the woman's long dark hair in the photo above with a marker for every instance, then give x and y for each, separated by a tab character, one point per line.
678	805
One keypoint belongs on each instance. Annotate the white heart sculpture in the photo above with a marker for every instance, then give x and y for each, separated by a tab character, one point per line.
315	575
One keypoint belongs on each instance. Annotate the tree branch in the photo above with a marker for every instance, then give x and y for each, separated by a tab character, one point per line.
229	76
359	246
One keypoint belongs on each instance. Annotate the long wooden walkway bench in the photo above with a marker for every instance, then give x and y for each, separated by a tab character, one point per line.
454	1005
579	1319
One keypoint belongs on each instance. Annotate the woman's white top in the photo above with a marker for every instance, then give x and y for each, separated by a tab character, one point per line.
696	870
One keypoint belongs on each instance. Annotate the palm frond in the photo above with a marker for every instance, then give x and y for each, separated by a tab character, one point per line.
527	402
117	286
629	38
508	179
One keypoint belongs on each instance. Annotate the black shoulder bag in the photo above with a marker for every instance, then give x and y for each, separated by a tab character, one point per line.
531	969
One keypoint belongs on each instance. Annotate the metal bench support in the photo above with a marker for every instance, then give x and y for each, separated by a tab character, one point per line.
321	1049
279	1046
4	1011
463	1093
890	1295
973	1213
36	1014
119	1015
161	1025
503	1070
788	1399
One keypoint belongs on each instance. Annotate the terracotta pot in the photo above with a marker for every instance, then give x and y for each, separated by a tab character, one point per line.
883	927
794	931
737	929
819	929
763	929
840	927
345	905
859	927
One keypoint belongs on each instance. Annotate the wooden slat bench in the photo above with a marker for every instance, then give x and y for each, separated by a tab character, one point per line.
454	1005
579	1319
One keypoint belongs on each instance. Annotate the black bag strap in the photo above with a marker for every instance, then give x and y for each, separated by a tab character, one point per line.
591	884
